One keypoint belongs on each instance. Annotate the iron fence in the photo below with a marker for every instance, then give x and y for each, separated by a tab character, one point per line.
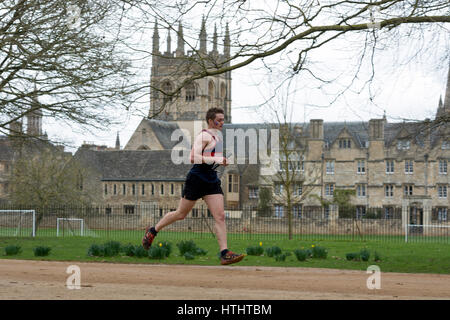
129	222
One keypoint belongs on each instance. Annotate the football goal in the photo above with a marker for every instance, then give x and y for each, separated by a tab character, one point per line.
17	223
73	227
69	226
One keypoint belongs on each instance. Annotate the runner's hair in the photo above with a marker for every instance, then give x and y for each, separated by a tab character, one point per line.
211	113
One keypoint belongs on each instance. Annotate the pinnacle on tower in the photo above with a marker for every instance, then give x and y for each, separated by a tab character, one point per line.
169	42
447	92
215	40
203	37
117	141
444	107
180	45
155	38
226	42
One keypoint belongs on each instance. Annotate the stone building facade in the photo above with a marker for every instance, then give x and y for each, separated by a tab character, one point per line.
399	168
395	167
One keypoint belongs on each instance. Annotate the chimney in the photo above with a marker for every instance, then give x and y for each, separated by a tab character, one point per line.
376	129
298	130
316	129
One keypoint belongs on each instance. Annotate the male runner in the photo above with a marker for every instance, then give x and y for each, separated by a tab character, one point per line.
202	182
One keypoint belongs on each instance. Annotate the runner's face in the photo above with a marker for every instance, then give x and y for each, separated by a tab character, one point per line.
218	122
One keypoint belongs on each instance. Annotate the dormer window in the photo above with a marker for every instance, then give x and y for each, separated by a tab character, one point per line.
403	144
345	143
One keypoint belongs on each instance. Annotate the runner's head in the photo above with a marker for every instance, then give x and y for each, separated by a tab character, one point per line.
215	118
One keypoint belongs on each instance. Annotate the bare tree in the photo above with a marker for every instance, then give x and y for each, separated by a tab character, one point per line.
283	36
81	61
45	177
292	178
63	59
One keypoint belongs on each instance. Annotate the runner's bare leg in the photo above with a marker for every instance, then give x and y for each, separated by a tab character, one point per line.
215	205
184	207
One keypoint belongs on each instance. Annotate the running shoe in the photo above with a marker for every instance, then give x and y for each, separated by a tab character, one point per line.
148	239
231	257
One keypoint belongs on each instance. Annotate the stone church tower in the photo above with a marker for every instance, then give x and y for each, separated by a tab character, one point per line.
172	68
34	119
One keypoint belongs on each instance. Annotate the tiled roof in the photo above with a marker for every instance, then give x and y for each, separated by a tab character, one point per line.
133	165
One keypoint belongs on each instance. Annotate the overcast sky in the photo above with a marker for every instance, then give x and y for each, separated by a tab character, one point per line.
402	90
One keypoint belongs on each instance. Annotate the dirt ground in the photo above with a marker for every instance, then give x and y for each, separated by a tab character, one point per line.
31	280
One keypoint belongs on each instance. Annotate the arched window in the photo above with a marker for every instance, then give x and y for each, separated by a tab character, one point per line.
167	89
190	92
211	90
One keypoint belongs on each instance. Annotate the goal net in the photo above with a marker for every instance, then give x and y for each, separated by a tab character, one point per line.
72	227
17	223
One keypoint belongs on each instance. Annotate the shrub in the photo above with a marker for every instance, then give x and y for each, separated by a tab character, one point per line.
364	254
191	248
302	255
111	248
129	249
166	245
186	246
255	251
352	256
319	253
281	257
158	252
95	250
376	257
200	252
188	256
41	251
12	250
273	251
140	252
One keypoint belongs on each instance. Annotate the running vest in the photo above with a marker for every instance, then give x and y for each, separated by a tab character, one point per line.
205	171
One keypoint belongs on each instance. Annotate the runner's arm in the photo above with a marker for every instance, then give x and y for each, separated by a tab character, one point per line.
196	155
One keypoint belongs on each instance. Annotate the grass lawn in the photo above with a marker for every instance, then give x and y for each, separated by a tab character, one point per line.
395	256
